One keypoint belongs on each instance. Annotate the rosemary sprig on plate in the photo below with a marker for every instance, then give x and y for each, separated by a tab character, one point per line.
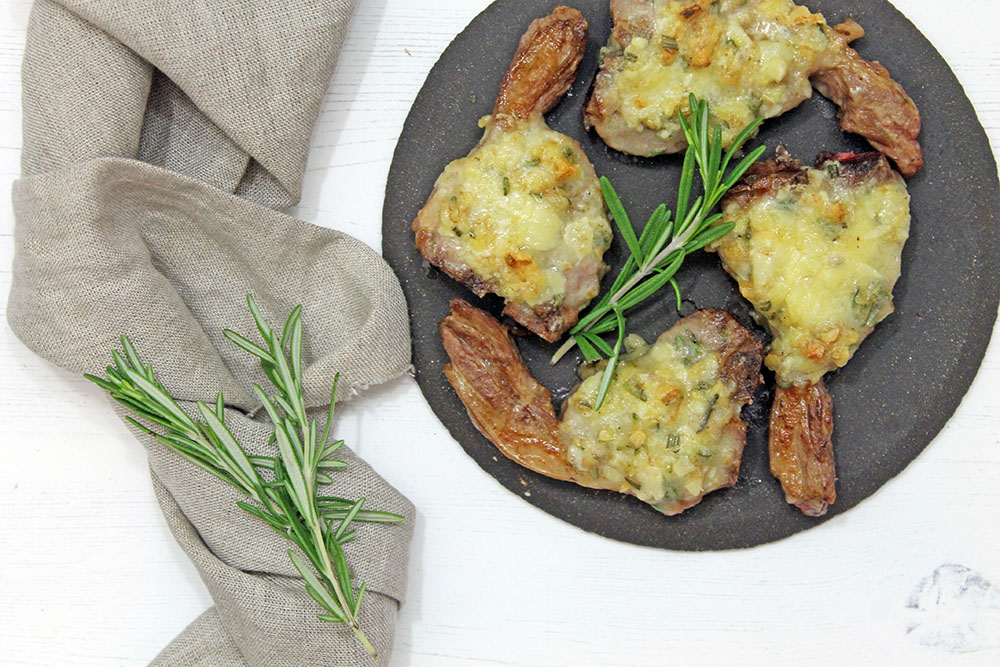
656	255
287	496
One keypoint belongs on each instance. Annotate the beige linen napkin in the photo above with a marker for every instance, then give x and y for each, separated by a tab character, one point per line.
159	137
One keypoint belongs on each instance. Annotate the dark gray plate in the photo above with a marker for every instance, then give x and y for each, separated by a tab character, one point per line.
890	401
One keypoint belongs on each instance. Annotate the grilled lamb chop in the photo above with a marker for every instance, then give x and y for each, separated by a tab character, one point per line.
748	58
668	433
522	216
817	252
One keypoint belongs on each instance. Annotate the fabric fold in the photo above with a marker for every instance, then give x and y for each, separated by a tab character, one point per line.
252	68
159	137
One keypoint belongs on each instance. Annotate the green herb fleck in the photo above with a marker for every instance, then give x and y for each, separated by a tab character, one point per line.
832	229
674	442
708	413
636	389
689	347
869	303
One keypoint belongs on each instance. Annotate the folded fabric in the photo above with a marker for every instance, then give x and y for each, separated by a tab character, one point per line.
159	137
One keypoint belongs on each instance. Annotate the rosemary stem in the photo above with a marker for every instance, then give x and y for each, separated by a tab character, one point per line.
327	569
564	350
644	272
317	528
364	641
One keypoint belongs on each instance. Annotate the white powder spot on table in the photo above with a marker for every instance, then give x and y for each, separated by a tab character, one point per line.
955	609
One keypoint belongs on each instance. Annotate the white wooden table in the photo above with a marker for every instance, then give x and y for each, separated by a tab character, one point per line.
90	575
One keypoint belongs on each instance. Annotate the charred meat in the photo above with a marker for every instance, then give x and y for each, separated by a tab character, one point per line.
801	446
748	58
522	216
670	429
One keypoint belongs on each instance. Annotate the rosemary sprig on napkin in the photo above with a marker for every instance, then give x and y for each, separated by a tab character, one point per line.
656	255
287	496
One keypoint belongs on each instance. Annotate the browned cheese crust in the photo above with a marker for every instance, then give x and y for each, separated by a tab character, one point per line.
631	18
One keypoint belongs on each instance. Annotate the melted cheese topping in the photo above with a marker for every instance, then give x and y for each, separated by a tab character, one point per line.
745	57
658	434
524	213
818	261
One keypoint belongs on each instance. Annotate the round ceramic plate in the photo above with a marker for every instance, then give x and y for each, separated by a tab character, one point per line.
889	401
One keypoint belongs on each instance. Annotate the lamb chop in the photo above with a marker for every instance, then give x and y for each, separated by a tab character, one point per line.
748	58
522	216
668	433
817	251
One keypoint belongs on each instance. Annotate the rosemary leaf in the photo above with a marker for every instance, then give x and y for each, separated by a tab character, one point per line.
325	599
242	342
598	342
709	235
621	219
609	370
587	348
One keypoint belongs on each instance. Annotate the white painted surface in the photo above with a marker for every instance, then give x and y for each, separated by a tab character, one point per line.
89	574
